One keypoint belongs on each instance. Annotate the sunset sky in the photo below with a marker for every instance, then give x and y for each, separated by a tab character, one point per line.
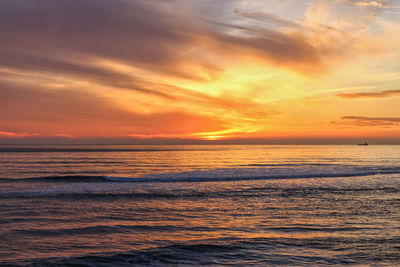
159	70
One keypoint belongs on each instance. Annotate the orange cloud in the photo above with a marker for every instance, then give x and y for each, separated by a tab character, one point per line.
79	113
16	135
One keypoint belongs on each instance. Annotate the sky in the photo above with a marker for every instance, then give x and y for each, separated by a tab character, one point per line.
179	71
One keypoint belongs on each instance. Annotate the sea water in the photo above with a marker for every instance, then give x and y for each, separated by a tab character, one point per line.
113	205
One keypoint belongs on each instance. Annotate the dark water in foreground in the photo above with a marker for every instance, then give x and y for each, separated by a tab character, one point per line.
190	205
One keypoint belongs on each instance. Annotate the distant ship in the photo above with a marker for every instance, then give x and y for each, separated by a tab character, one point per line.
365	144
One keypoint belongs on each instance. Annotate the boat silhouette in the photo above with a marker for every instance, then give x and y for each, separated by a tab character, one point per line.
364	144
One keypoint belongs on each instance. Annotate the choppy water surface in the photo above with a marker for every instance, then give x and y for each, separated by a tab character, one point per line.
212	205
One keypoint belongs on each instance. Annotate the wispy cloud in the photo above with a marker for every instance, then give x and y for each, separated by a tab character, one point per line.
381	94
125	31
371	4
80	113
267	18
368	121
9	134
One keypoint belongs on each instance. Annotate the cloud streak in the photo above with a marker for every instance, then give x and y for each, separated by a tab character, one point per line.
125	31
80	113
369	121
16	135
381	94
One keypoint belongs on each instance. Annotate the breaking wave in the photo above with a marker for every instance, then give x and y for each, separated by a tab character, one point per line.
295	171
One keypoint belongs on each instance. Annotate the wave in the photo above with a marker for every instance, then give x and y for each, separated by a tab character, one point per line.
59	179
228	252
74	193
225	174
112	229
107	229
296	171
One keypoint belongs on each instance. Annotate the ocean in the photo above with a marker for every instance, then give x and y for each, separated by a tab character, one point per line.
232	205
